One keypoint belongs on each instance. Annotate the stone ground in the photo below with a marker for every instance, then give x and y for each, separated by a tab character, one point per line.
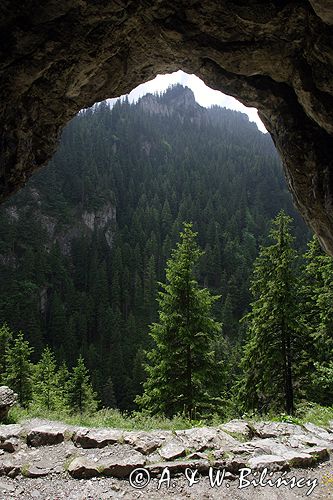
48	460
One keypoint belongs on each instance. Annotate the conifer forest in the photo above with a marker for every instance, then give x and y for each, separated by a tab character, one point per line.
158	264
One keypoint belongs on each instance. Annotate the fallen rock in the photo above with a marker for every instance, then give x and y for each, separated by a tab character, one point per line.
146	442
267	446
35	471
203	438
83	468
172	450
10	437
46	435
299	459
275	429
7	399
238	428
96	438
272	462
122	467
177	466
319	432
318	452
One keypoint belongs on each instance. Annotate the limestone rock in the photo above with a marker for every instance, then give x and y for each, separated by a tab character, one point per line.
319	432
10	437
238	427
83	468
146	442
275	429
46	435
318	452
299	459
272	462
172	450
178	466
96	438
202	438
70	54
123	466
7	399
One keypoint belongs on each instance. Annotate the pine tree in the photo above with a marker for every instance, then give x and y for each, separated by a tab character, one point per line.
47	392
272	326
6	336
81	395
19	369
180	365
317	315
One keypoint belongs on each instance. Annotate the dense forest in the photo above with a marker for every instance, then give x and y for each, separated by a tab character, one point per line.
85	243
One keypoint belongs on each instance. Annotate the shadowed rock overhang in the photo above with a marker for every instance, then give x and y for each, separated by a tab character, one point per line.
59	56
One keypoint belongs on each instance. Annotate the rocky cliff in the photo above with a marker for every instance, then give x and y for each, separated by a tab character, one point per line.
58	57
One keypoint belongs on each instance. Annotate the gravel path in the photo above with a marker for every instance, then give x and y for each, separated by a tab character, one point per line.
60	487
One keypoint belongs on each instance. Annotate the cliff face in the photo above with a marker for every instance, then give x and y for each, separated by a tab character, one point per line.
58	57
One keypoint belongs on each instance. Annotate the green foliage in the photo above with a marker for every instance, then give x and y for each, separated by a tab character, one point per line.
181	366
6	337
49	392
270	352
19	369
81	396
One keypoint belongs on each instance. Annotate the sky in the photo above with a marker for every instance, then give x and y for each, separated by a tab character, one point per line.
205	96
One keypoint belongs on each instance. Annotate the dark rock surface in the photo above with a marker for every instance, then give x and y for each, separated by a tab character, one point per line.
7	399
57	57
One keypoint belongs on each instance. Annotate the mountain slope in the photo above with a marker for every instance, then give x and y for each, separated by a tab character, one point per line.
83	245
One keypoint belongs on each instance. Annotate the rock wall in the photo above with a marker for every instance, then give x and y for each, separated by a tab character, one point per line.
59	56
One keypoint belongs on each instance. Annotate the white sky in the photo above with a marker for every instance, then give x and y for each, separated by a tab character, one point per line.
205	96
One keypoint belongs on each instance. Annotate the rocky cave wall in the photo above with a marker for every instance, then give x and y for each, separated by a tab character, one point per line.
59	56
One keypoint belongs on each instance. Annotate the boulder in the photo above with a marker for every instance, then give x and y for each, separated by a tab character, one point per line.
173	449
238	428
147	442
96	438
122	466
46	435
179	466
83	468
319	432
203	438
299	459
10	437
275	429
272	462
7	399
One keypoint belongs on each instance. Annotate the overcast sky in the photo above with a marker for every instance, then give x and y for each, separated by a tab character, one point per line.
204	95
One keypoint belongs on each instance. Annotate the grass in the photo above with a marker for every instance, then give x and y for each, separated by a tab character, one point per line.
112	418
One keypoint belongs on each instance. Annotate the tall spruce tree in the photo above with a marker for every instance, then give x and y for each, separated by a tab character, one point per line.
181	366
47	392
19	369
272	326
81	395
317	315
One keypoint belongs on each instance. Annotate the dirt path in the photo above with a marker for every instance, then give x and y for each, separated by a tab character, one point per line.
62	487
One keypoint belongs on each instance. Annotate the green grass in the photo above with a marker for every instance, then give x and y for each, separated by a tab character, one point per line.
112	418
106	418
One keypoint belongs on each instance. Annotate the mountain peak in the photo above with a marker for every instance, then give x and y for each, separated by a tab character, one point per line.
173	99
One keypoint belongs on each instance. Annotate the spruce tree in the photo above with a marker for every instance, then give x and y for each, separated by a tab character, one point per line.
47	392
272	326
317	315
19	369
6	336
81	395
181	365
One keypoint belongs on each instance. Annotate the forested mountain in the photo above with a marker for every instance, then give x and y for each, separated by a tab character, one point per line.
83	246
